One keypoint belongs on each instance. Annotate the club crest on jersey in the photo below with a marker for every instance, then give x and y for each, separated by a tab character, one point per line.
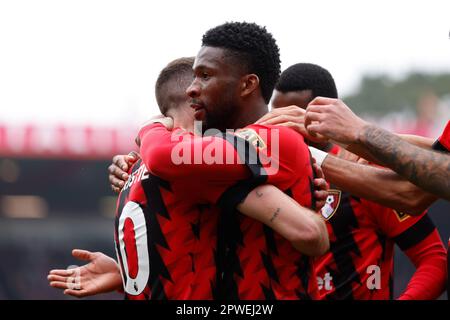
401	216
331	204
251	136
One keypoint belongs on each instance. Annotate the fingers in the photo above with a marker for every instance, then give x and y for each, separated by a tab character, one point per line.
318	170
59	284
320	205
76	293
116	184
311	117
320	195
56	278
314	132
117	177
314	129
321	185
297	127
282	118
62	272
294	111
135	154
83	254
118	172
273	120
323	100
315	115
69	284
132	157
120	161
321	198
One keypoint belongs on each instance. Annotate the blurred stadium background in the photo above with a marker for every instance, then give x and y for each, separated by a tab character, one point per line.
55	196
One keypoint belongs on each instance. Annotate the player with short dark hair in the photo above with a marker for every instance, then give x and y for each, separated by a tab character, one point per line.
224	96
306	78
251	48
181	226
363	233
250	252
235	72
159	226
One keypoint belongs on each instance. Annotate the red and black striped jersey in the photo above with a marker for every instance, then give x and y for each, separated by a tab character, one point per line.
165	247
443	143
362	236
259	263
253	262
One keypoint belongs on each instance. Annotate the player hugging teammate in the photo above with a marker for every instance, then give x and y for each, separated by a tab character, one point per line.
234	228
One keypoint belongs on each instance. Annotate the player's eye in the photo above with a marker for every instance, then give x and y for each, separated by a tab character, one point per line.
205	75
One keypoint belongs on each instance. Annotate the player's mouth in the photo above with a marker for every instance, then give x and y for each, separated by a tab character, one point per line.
199	110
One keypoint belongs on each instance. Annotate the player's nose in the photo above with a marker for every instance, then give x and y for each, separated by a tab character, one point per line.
193	90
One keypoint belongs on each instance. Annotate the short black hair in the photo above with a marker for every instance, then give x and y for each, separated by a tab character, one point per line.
307	76
255	48
177	73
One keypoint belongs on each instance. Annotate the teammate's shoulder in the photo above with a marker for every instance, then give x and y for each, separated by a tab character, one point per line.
281	130
271	133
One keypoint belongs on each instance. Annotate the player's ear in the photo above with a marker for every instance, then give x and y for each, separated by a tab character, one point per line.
249	83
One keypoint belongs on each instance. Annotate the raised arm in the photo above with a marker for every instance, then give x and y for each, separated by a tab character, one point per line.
427	169
178	154
376	184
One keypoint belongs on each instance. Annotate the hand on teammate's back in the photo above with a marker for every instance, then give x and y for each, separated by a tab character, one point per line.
292	117
165	121
118	170
320	187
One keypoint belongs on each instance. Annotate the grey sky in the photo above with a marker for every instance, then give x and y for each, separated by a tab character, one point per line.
96	62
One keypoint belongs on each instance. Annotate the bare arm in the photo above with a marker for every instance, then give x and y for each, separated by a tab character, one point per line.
423	142
363	152
376	184
305	229
427	169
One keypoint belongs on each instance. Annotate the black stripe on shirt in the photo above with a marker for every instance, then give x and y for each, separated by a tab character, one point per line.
415	233
238	192
438	146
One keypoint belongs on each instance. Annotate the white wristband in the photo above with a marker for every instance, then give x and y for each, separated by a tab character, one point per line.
317	154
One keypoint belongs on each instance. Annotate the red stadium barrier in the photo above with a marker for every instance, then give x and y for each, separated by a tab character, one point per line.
65	141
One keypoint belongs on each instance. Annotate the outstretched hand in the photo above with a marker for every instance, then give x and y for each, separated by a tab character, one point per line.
100	275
